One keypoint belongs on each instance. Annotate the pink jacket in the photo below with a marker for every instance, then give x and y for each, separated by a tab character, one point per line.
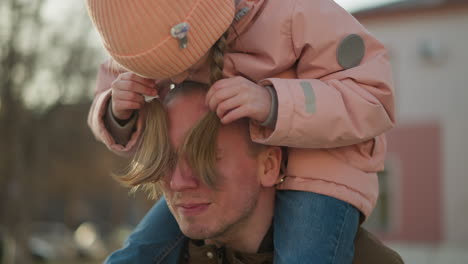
332	113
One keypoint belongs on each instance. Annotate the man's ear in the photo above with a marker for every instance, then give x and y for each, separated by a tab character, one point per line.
270	167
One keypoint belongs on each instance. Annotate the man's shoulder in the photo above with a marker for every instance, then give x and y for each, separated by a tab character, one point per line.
369	249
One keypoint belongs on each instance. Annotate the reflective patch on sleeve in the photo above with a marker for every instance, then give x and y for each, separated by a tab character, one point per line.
309	97
350	51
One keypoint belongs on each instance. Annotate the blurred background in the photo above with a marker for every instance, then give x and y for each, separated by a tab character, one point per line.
58	203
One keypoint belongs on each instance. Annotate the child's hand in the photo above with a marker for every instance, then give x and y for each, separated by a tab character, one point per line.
128	92
237	97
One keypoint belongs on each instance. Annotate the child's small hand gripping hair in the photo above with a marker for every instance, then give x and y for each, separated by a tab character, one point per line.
236	97
129	92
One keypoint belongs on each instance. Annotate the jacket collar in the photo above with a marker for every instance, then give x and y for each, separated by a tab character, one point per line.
171	252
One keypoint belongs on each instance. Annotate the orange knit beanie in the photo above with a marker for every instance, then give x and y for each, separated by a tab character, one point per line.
160	38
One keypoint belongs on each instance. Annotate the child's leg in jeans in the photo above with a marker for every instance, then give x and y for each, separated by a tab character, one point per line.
157	229
313	228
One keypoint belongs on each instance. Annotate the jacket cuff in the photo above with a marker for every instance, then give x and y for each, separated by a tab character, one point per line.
120	131
285	110
272	117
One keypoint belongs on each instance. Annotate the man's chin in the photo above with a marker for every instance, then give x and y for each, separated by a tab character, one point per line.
198	228
196	232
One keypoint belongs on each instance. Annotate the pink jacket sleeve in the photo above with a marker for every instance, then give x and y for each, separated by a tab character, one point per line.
99	121
328	105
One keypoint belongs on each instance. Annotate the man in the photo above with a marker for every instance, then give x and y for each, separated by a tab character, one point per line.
239	212
231	221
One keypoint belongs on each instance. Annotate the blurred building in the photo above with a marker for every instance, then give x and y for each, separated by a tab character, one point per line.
424	201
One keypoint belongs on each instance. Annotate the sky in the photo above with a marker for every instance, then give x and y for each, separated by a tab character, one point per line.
56	7
354	5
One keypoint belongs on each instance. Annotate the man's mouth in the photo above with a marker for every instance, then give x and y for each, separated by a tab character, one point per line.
192	209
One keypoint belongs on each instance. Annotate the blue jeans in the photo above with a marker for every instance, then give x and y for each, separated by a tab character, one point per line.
308	228
313	227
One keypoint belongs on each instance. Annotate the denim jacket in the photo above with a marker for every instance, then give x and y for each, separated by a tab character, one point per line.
149	243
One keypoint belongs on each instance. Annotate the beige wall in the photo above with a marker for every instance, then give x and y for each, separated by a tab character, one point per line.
436	90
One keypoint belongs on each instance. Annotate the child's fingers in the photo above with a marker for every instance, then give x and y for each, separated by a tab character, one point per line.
123	109
122	106
216	87
132	86
227	105
235	114
128	96
132	82
220	96
129	76
210	93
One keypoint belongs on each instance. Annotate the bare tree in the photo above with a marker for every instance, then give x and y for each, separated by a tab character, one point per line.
53	64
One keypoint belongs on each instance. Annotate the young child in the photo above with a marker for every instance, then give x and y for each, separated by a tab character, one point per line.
307	74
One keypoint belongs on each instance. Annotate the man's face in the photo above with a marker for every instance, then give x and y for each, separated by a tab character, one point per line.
200	211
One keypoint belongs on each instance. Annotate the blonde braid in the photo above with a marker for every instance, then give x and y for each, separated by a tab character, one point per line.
217	59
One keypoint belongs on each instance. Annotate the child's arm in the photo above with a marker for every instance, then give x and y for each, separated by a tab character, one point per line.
115	122
333	103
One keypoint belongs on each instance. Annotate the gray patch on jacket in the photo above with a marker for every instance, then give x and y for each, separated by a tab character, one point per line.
309	96
350	51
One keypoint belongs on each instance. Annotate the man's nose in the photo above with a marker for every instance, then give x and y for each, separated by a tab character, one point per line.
183	177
